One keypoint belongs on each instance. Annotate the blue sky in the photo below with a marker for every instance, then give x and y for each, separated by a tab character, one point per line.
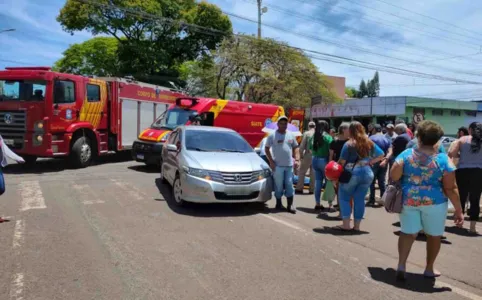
366	30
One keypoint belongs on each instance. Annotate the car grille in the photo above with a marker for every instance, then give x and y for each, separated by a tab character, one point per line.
224	196
142	147
235	177
13	125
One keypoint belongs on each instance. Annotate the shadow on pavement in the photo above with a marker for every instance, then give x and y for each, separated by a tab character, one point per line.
461	231
144	169
308	210
209	210
423	238
338	232
60	164
327	217
414	282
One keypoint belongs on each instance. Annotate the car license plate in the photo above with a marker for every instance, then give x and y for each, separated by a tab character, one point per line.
9	142
140	156
237	191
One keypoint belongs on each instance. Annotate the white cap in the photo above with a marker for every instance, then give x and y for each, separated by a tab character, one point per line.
282	118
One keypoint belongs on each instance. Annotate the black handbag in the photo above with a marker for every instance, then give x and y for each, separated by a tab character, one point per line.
346	175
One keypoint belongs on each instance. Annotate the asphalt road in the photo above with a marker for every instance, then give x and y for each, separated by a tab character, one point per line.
111	231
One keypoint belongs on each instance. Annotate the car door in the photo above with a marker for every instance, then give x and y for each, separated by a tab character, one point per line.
169	157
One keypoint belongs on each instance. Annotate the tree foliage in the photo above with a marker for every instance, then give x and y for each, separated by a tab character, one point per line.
152	35
371	88
97	56
351	92
262	71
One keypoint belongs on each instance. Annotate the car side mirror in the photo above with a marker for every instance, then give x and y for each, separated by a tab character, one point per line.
171	148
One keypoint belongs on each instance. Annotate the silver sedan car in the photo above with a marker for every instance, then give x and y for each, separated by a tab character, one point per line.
213	164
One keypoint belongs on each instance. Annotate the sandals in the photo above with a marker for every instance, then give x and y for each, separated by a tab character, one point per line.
430	274
340	228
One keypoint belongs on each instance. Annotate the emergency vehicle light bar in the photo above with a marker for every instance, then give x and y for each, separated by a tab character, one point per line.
193	101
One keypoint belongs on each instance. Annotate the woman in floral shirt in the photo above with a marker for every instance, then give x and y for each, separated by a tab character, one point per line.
427	179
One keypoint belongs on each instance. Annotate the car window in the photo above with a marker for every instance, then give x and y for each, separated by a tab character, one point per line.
215	141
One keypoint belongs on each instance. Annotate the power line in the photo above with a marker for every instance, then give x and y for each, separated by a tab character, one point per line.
397	26
429	17
406	19
313	37
336	59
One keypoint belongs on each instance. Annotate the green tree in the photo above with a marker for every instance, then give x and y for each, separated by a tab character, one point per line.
152	34
363	90
263	71
351	92
97	56
376	84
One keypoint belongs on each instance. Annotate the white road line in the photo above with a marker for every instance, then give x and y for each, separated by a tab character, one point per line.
456	290
284	223
438	284
130	189
16	289
18	234
86	190
32	197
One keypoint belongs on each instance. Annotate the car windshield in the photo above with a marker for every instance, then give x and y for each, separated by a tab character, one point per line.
22	90
216	141
173	118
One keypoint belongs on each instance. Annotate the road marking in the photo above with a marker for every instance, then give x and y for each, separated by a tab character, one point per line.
456	290
18	234
133	191
284	223
85	189
438	284
32	197
16	290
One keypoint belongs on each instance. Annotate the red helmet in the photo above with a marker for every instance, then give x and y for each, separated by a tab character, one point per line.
333	170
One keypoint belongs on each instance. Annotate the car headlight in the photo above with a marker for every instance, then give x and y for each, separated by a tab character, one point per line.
263	174
197	173
39	126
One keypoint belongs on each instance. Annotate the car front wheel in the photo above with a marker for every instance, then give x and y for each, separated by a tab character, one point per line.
177	192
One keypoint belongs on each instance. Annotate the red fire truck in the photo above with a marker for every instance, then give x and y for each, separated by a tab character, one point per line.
248	119
50	114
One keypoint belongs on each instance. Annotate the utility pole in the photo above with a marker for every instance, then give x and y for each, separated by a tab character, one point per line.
261	11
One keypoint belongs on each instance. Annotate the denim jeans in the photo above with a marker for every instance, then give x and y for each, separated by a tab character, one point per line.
319	164
380	175
357	188
283	182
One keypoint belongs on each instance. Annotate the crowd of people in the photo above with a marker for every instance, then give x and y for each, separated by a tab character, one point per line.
412	156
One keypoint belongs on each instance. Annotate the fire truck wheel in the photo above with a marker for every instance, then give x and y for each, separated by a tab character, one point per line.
177	192
81	153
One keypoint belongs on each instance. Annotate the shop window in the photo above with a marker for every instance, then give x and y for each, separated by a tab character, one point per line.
437	112
455	113
471	113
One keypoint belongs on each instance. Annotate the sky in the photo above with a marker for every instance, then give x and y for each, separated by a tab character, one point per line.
434	37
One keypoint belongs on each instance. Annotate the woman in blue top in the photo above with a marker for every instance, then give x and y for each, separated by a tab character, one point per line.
427	176
357	156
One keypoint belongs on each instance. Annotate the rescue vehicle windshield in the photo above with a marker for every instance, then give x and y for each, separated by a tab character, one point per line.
22	90
172	118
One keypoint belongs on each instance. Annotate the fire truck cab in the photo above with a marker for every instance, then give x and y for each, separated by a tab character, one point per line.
50	114
248	119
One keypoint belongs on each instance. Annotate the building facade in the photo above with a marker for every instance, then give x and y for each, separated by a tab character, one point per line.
451	114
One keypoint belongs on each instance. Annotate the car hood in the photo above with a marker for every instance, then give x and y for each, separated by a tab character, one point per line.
225	161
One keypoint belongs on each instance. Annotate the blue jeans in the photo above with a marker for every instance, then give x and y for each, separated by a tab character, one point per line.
380	175
2	182
357	188
283	182
319	164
